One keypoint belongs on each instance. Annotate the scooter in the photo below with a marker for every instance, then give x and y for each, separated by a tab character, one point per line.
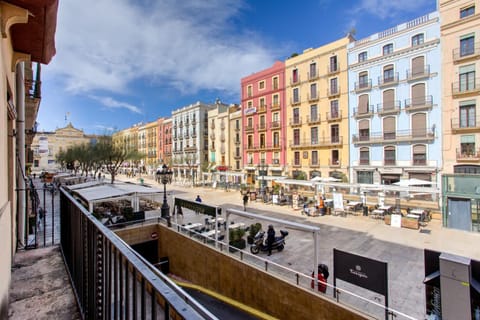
260	245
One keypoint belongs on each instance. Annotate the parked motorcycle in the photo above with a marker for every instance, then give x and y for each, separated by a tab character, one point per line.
259	243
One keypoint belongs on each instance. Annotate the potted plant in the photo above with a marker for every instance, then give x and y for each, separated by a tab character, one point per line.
236	239
252	231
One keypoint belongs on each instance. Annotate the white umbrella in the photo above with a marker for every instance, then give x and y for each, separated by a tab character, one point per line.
327	179
413	182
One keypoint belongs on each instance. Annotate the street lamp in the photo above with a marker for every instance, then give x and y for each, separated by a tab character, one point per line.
262	171
165	177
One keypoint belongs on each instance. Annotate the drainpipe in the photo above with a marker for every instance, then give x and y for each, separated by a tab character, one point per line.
20	106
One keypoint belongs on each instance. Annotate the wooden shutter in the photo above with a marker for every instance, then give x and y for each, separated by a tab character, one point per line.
389	128
419	125
363	124
388	99
418	94
363	104
418	65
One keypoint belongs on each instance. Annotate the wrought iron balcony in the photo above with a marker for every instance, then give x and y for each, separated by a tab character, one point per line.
333	68
465	125
363	85
388	108
419	104
417	74
317	142
295	121
384	81
466	53
334	116
359	114
465	156
313	119
399	136
466	88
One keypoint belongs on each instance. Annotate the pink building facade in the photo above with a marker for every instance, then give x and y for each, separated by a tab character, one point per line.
264	124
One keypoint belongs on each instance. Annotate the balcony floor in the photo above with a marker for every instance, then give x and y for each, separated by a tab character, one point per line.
40	287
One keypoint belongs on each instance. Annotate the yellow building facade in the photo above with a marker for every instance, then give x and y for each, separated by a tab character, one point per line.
317	95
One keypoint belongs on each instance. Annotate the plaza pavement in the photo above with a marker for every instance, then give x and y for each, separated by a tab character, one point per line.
401	248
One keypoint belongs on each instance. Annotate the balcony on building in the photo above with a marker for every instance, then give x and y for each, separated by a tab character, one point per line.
296	164
180	137
295	101
466	156
295	80
222	125
274	146
334	116
175	138
251	147
465	125
389	162
190	149
237	129
275	106
212	147
262	108
313	96
418	74
333	68
419	161
317	142
334	163
364	162
262	126
314	163
249	128
360	114
399	136
275	125
333	92
295	121
419	104
363	86
466	88
467	53
237	141
388	108
315	119
237	156
194	134
181	124
313	75
384	81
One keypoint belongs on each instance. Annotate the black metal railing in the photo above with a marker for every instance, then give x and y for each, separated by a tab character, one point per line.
108	279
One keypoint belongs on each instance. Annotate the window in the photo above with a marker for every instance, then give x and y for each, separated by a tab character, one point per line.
417	39
333	64
262	141
313	70
419	154
333	86
362	56
363	81
296	137
275	101
237	124
465	12
276	139
363	104
334	109
296	115
388	99
296	160
296	95
364	130
388	74
315	157
314	112
467	115
335	133
249	91
250	122
365	177
389	155
335	158
364	156
295	76
262	122
467	78
467	46
250	141
314	135
249	104
387	49
313	91
467	145
275	83
262	102
261	85
389	128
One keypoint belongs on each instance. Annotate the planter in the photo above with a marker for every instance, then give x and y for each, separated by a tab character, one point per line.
239	244
408	223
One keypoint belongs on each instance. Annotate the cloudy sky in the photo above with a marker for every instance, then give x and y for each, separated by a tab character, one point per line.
121	62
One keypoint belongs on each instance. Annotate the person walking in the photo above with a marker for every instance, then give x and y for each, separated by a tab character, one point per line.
245	201
270	238
198	199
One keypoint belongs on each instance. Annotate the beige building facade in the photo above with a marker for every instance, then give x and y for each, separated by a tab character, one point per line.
317	95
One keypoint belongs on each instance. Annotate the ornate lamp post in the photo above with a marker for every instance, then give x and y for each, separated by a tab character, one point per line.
165	177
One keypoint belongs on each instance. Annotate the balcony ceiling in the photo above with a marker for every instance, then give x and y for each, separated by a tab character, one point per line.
37	37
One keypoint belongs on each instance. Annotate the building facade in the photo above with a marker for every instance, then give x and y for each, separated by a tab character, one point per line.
317	98
395	103
264	123
460	30
235	141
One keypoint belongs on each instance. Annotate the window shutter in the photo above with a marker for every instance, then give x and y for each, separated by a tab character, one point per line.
419	125
363	104
418	65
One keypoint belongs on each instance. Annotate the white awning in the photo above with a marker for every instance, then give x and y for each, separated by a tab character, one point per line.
295	182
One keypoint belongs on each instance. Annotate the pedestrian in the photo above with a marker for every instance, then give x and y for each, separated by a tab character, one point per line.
322	275
245	201
198	199
270	239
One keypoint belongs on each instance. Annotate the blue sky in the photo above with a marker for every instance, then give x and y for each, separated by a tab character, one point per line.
121	62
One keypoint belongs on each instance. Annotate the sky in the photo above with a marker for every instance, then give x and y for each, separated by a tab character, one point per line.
123	62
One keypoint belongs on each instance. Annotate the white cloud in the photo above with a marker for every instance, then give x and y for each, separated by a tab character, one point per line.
107	45
390	8
111	103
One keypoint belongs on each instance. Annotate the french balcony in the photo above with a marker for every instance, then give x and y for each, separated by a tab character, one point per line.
275	125
175	138
466	88
365	113
249	128
262	109
384	81
180	137
191	149
313	96
418	74
334	163
272	146
261	126
194	134
314	163
275	106
296	164
313	75
334	116
399	136
194	122
237	156
419	104
237	129
295	101
311	120
364	162
473	156
333	92
252	147
466	53
237	142
295	80
363	86
389	162
419	162
333	68
317	143
465	125
212	148
384	109
295	121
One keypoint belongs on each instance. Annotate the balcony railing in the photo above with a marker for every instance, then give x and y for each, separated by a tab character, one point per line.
109	279
333	116
262	126
237	141
419	104
466	88
191	149
395	137
295	121
388	108
460	54
416	74
313	119
363	85
332	92
334	162
275	125
249	128
262	109
473	156
333	68
366	114
313	75
313	96
275	106
389	162
466	125
318	142
388	81
295	80
295	101
252	147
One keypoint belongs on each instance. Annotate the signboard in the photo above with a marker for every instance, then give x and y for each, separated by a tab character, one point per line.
361	271
396	220
338	201
275	199
251	110
295	201
197	207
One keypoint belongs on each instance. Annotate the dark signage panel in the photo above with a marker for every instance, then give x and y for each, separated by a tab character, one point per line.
363	272
197	207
